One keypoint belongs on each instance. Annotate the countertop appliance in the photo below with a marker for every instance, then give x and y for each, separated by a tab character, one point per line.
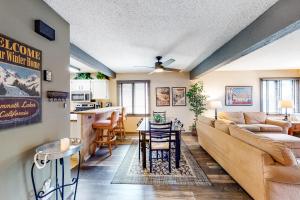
85	106
81	96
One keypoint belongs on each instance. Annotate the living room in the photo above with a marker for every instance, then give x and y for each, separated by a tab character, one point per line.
149	99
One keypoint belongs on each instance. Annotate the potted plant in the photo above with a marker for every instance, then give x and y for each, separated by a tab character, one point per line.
157	118
197	102
100	76
83	76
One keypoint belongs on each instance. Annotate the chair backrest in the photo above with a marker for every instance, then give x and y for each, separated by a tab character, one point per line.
160	132
162	114
114	118
123	114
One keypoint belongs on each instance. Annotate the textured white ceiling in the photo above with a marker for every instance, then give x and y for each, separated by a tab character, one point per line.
281	54
126	33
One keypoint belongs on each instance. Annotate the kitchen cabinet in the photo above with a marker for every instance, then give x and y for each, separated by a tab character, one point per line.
80	85
100	89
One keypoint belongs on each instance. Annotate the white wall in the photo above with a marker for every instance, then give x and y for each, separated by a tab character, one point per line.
157	80
17	145
215	82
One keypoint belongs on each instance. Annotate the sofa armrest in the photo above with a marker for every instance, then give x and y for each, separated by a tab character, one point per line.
284	125
282	174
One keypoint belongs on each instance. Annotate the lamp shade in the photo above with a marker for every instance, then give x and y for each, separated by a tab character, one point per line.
215	104
286	104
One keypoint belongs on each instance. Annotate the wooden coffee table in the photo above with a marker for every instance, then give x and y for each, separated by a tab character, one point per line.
295	127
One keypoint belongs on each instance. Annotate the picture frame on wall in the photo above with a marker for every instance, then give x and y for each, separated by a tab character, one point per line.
178	96
238	96
162	96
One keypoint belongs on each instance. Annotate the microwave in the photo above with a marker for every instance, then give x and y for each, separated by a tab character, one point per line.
81	96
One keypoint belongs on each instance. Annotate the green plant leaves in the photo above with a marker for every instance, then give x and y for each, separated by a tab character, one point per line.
83	76
100	76
197	99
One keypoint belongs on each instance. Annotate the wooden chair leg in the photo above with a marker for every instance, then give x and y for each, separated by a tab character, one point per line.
114	138
109	138
123	130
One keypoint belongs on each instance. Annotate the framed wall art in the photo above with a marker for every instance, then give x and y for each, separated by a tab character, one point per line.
162	96
238	96
178	96
20	83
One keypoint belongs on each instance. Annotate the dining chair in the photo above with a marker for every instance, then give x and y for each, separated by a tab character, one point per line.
160	141
179	125
140	137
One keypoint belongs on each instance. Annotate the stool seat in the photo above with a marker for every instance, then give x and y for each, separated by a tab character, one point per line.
108	138
101	123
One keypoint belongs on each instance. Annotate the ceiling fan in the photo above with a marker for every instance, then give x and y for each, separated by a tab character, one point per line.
161	66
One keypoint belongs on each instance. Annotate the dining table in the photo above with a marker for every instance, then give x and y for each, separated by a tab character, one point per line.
143	130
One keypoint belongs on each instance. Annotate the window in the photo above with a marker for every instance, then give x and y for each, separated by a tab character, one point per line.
275	89
134	96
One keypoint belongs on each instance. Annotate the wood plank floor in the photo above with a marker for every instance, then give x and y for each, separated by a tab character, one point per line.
97	173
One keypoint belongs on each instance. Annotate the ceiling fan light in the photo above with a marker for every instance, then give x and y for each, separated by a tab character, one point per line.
159	70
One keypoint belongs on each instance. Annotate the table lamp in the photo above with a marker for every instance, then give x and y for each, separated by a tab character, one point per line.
215	105
286	104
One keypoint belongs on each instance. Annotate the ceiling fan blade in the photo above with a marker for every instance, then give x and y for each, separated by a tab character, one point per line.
143	67
172	70
168	62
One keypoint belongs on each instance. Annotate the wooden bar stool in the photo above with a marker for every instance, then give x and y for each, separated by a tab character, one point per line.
110	137
121	127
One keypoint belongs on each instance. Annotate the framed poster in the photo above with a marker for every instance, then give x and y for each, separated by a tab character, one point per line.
238	96
162	96
178	96
20	83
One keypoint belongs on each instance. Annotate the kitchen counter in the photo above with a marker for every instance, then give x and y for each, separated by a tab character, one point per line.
98	110
83	129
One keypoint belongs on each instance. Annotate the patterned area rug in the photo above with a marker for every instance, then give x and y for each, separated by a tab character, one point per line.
131	171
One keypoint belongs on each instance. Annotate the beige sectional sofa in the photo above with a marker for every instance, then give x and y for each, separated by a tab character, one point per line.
255	122
264	164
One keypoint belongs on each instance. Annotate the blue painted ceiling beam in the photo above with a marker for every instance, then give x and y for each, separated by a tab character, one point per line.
85	58
281	19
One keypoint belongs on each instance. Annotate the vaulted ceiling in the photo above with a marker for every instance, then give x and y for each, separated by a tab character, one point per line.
123	34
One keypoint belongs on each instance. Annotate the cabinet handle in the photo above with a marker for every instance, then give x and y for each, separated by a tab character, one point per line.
89	117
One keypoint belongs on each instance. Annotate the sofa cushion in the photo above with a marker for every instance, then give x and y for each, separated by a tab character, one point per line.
206	120
223	125
269	128
290	141
255	117
268	132
249	127
236	117
276	149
